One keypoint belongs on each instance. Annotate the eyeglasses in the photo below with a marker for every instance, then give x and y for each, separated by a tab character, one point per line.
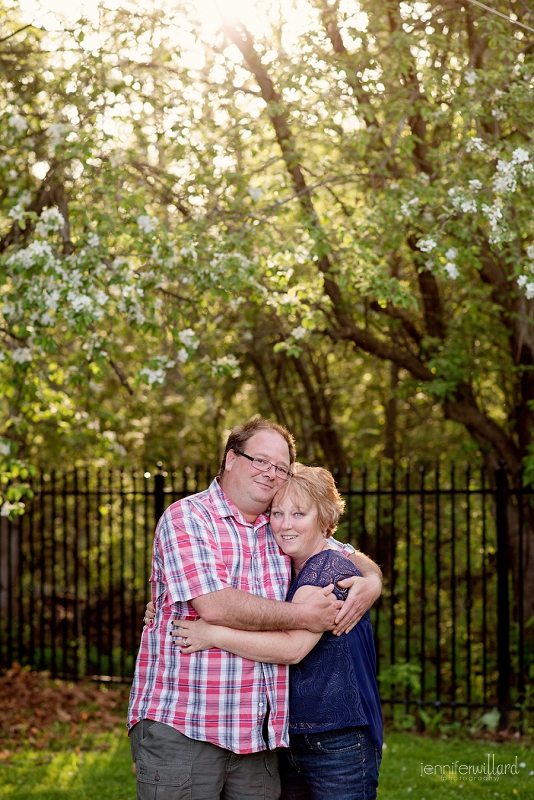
265	466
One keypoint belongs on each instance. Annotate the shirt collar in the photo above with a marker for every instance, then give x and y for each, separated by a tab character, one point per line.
224	507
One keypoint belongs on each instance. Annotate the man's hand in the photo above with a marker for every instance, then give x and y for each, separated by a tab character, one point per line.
363	592
321	609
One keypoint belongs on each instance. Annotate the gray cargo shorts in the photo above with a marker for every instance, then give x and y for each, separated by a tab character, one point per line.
170	766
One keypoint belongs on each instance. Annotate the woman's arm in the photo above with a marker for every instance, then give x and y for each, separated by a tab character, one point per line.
270	647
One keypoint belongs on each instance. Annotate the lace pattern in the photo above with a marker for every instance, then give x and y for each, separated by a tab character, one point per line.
324	693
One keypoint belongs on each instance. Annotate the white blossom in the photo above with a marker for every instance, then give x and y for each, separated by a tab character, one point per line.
93	240
468	206
299	333
5	448
426	245
80	302
188	338
157	374
451	254
506	181
8	507
101	297
56	131
17	213
475	185
498	113
451	269
255	192
153	375
530	251
17	122
21	355
475	143
146	223
529	291
494	214
51	299
25	198
521	281
470	77
409	206
520	155
182	355
226	365
51	220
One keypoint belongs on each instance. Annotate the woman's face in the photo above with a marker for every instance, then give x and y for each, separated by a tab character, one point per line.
296	529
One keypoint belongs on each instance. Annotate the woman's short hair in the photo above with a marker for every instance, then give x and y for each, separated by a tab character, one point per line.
314	486
240	435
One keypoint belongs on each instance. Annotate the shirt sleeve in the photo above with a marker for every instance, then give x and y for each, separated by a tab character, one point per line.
187	557
343	547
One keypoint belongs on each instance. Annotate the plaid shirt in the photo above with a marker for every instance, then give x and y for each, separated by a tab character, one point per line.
204	544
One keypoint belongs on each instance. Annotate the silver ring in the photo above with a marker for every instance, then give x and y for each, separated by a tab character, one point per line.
185	643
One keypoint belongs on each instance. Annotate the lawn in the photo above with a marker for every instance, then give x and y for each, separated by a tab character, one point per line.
403	772
102	773
61	740
104	770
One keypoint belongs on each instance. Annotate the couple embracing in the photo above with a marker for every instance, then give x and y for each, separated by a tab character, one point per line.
240	594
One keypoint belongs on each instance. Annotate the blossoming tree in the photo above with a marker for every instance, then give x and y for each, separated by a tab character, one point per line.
358	182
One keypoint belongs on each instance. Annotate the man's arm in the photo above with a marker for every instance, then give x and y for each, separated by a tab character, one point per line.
237	609
270	647
363	592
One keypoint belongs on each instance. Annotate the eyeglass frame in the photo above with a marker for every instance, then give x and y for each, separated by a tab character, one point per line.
277	467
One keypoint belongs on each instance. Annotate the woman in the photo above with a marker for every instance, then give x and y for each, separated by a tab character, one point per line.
335	721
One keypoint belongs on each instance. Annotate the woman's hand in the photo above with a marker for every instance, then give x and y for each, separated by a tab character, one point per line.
150	613
193	635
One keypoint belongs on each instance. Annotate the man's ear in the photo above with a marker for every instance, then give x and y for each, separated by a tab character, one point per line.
231	458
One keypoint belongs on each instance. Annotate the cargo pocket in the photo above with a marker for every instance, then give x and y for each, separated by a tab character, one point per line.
163	781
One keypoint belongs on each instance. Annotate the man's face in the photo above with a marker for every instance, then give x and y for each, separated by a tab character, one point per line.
249	488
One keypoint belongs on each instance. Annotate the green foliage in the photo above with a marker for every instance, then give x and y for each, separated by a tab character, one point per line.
398	677
201	225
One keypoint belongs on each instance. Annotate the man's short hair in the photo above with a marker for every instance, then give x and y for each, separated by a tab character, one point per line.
314	486
241	434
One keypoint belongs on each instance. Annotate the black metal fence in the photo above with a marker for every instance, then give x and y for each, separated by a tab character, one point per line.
74	573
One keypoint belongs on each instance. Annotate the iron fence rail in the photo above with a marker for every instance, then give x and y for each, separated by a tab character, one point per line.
449	628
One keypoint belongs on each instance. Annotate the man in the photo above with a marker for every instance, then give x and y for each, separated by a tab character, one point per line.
205	726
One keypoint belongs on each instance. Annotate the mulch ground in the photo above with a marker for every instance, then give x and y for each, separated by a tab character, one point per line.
41	712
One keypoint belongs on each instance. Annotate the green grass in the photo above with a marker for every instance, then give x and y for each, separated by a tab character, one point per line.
406	756
103	772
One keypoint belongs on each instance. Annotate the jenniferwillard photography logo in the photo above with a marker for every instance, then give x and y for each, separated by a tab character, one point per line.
489	770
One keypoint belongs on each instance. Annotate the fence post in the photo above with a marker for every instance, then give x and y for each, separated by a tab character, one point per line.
159	493
503	609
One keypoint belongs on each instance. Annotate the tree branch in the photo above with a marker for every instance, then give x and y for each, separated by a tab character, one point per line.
120	374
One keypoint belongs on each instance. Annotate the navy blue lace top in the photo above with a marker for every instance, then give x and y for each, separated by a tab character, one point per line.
335	685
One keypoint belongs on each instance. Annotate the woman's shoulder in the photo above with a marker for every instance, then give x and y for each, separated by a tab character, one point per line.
330	558
328	566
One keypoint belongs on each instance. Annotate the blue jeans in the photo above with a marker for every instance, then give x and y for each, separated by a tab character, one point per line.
338	765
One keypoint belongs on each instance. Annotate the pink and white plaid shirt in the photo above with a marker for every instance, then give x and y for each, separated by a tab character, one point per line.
203	544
